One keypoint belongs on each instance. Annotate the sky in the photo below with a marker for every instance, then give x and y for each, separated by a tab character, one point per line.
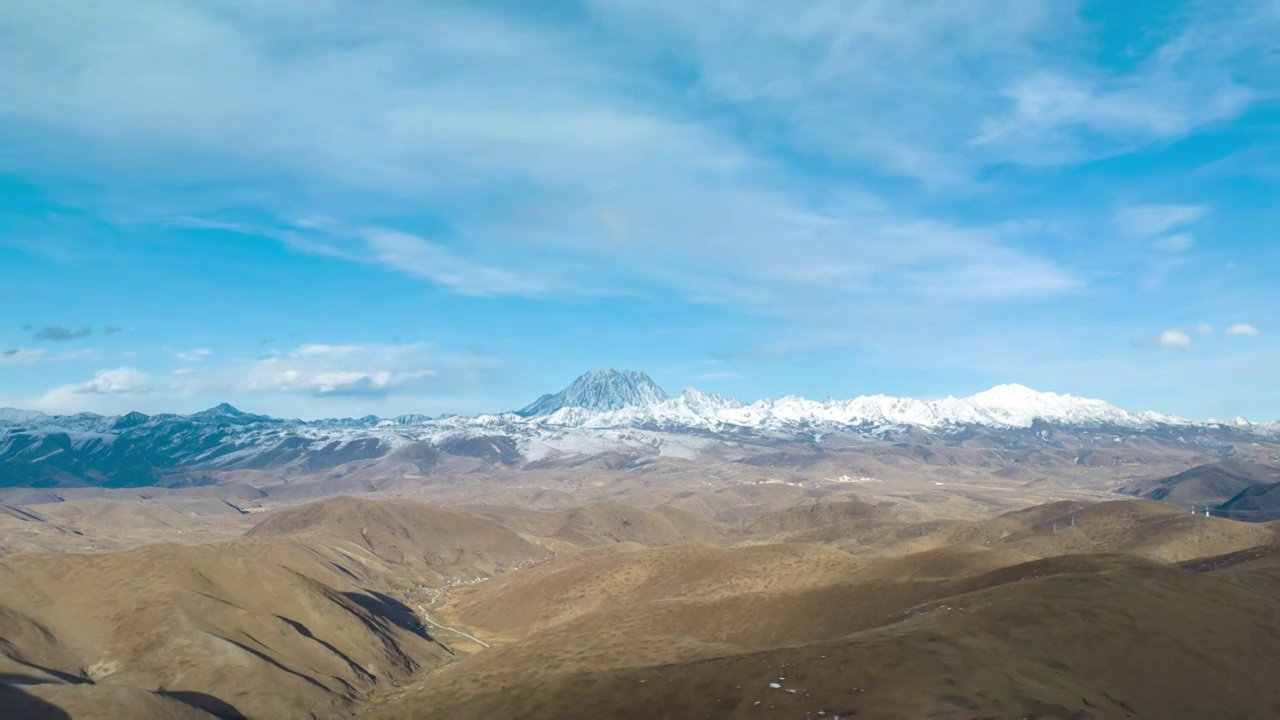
348	207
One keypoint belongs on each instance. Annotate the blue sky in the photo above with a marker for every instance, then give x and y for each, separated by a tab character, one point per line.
340	207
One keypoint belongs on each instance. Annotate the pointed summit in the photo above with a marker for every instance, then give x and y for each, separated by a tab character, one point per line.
220	410
600	390
229	414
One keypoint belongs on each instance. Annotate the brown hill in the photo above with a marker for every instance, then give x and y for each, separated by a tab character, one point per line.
813	516
1060	610
605	524
32	693
404	533
230	620
1260	503
1212	484
1083	637
1143	528
575	585
25	530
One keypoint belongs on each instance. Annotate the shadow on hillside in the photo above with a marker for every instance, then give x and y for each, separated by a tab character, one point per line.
387	607
203	701
305	632
16	679
18	703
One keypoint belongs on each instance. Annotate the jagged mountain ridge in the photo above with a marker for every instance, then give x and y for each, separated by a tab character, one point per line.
602	411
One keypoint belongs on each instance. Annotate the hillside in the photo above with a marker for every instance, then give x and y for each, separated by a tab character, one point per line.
1260	503
232	621
402	533
397	609
1042	639
1212	484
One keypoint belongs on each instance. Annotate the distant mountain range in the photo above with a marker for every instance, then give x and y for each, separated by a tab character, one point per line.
603	411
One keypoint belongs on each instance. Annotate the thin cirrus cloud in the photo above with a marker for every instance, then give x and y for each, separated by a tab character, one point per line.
193	355
32	356
1152	220
1176	243
548	149
415	256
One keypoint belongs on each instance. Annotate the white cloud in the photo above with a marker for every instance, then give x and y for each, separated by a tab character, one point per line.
1062	119
420	257
1180	242
113	390
279	375
194	355
121	380
552	169
1182	338
318	377
321	350
1242	329
322	370
1152	220
1174	339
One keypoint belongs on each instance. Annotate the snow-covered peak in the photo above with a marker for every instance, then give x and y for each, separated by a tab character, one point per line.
1020	406
1013	394
699	401
600	390
14	416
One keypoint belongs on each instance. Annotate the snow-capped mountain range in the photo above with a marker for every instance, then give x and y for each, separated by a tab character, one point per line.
602	411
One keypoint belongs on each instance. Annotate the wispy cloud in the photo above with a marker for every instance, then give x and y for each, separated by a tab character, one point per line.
193	355
1176	243
351	371
40	355
1058	119
1152	220
58	333
23	355
548	169
325	370
420	257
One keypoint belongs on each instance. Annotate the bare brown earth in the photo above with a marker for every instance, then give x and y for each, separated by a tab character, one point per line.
855	599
